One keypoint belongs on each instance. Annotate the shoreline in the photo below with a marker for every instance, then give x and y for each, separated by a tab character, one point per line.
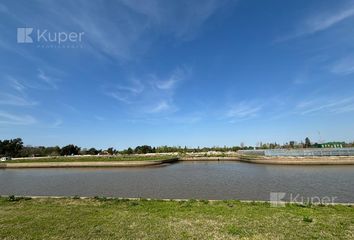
170	199
315	160
97	164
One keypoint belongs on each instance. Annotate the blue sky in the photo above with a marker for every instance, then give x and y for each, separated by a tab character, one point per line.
195	73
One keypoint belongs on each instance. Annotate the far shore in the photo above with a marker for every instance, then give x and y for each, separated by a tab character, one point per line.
87	164
313	160
145	161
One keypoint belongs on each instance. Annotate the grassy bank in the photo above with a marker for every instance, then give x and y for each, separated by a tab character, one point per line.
91	159
141	219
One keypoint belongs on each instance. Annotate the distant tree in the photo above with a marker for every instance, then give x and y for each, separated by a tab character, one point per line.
70	150
143	149
11	148
307	142
130	151
110	151
92	151
292	144
52	151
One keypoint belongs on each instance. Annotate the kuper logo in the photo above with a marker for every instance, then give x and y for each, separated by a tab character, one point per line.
276	199
279	199
23	35
50	39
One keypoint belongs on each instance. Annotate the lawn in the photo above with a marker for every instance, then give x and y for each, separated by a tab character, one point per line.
92	159
141	219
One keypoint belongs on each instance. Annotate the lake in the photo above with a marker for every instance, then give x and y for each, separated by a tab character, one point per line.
198	180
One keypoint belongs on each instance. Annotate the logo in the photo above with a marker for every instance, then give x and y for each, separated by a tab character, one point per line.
44	38
23	35
276	199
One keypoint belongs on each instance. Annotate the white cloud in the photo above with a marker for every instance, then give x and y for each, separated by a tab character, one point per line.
9	99
344	66
326	20
326	105
128	93
244	110
320	22
182	18
48	81
125	29
178	75
162	106
12	119
16	84
149	94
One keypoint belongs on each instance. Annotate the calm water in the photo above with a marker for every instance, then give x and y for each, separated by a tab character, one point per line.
201	180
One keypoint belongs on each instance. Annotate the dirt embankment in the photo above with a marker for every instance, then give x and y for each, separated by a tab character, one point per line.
87	164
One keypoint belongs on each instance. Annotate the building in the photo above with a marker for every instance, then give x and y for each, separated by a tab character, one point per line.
332	145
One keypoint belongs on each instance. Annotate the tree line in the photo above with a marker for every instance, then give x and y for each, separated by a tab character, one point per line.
15	148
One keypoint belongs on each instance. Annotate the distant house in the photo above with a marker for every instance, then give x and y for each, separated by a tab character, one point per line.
332	145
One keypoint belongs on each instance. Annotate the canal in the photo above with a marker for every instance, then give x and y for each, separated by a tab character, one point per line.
197	180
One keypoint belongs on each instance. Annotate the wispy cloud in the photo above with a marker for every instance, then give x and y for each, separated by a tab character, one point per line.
47	80
162	106
183	18
128	93
344	66
12	119
326	20
127	28
168	84
326	105
149	94
10	99
16	84
320	22
244	110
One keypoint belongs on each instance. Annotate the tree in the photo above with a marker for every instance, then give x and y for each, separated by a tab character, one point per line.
11	148
92	151
110	151
307	142
130	151
70	150
143	149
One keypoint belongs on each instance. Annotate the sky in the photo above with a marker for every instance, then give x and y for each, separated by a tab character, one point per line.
191	73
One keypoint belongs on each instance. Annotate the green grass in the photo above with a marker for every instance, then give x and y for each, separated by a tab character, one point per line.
101	218
92	159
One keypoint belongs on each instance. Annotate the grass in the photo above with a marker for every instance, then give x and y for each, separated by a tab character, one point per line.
92	159
102	218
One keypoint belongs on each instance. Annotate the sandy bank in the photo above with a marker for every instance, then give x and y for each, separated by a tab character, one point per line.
87	164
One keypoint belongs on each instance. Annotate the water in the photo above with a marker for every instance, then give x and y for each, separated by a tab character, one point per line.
198	180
